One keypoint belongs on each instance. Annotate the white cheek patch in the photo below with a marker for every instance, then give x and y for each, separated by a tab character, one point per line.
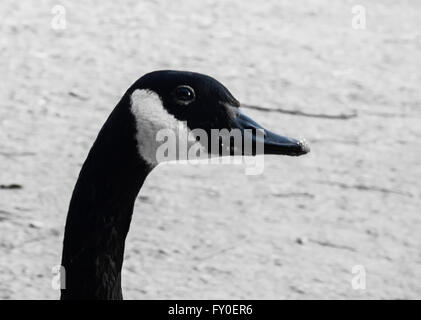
152	118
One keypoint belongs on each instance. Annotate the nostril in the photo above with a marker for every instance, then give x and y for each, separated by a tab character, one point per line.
254	130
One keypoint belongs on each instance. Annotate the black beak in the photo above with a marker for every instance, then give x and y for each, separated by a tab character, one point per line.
272	143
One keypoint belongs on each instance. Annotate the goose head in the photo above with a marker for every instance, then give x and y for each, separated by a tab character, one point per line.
125	152
170	100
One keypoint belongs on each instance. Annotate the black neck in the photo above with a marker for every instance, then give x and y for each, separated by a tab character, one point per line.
101	209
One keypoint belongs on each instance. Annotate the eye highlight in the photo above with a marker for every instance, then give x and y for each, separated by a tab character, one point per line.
184	94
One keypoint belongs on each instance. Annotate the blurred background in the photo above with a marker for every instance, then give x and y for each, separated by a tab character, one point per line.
207	231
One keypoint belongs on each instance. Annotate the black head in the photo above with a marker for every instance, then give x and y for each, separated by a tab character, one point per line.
193	97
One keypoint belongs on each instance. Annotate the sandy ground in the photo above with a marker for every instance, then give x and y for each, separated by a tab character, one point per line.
198	231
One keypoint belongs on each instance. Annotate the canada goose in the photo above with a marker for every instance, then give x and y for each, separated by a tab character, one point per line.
123	155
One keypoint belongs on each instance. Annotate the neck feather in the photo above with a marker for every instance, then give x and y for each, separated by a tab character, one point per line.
100	210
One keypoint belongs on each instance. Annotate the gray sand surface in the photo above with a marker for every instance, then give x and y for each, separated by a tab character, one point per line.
209	231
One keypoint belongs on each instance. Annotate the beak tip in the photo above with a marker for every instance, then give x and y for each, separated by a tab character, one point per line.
305	148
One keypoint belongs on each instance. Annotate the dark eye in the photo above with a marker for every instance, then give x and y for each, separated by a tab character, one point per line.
184	94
